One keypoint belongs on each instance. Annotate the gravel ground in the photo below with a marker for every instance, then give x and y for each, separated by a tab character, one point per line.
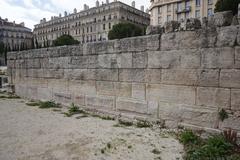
30	133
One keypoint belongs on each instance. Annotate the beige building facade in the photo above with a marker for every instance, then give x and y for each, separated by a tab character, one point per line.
89	25
167	10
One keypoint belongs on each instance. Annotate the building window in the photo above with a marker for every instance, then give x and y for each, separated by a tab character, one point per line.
168	18
198	2
197	14
187	4
159	20
109	26
210	2
210	12
159	10
169	7
179	6
179	17
104	26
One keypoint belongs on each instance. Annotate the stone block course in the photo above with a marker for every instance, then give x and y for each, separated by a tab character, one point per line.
235	99
227	36
230	78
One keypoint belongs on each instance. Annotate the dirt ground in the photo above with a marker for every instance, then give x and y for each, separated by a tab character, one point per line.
30	133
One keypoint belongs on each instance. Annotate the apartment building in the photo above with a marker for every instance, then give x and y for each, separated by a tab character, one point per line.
166	10
91	24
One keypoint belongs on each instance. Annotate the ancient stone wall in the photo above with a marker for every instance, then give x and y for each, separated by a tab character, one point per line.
183	78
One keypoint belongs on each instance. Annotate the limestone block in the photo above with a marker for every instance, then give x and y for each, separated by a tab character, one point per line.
190	58
79	62
132	75
100	102
21	90
217	58
153	75
209	77
21	63
140	43
32	92
37	82
223	18
83	87
232	122
103	47
58	85
194	115
75	50
227	36
235	99
53	73
181	40
124	60
139	60
124	89
79	99
34	73
44	94
93	62
151	30
55	63
171	93
33	63
107	88
139	91
237	57
63	98
180	76
230	78
163	59
11	64
153	109
80	74
171	26
132	105
107	74
107	61
213	97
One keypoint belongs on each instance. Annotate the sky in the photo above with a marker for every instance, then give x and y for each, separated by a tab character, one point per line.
31	11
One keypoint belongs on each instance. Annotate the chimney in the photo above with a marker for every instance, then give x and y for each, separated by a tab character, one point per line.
75	11
65	13
85	7
44	20
142	8
107	1
133	4
97	3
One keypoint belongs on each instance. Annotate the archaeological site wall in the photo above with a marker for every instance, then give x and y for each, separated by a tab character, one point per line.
184	78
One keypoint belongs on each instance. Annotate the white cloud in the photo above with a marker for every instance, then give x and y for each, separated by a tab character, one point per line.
33	11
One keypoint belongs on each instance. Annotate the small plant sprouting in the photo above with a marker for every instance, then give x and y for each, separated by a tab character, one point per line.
188	137
156	151
143	124
48	104
124	123
109	145
223	115
32	103
74	110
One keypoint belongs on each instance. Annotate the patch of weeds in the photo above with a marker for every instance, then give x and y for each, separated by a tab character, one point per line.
74	110
189	138
108	118
9	96
56	110
215	147
124	123
48	104
143	124
103	150
32	103
129	147
109	145
82	116
223	115
156	151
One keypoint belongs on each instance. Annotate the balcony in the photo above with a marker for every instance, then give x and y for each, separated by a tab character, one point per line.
184	10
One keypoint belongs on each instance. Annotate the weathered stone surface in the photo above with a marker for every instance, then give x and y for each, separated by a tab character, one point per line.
237	57
107	88
53	73
171	93
139	91
193	24
194	115
217	58
227	36
153	75
107	74
100	102
232	122
124	89
153	109
223	18
44	94
209	77
58	85
171	26
235	99
124	60
163	59
139	60
107	61
190	59
213	97
180	76
154	30
79	99
83	87
132	105
230	78
63	98
80	74
132	75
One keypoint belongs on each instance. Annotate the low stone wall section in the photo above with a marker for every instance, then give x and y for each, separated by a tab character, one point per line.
183	78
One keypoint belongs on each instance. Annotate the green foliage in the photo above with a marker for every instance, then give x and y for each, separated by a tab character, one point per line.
226	5
74	110
32	103
222	115
65	40
156	151
124	30
48	104
189	138
123	123
143	124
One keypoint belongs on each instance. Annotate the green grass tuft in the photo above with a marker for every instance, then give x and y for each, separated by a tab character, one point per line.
143	124
48	104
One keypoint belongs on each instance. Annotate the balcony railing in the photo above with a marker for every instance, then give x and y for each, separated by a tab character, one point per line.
184	10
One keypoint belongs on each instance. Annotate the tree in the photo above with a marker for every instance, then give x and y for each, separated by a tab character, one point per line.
123	30
65	40
227	5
